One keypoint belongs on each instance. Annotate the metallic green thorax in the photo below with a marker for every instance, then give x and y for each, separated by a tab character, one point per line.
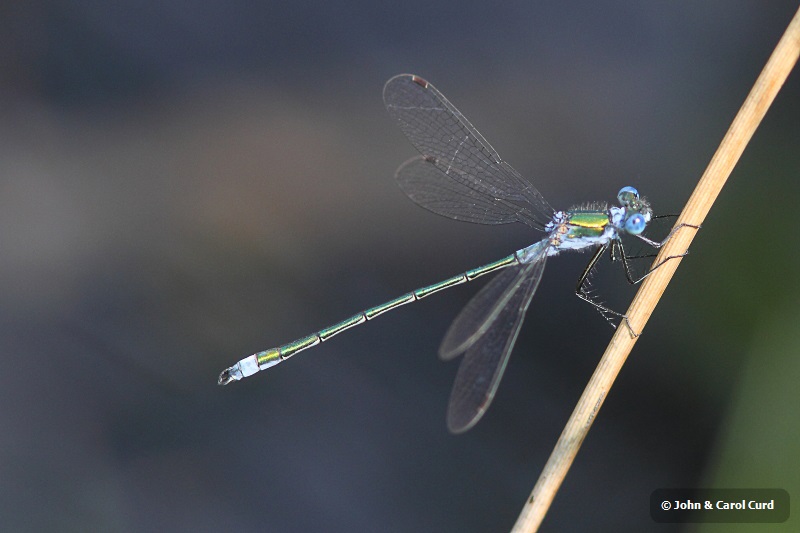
586	224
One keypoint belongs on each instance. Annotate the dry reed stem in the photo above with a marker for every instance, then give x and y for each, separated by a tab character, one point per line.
741	130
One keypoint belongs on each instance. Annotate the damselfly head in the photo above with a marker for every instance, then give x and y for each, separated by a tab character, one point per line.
637	210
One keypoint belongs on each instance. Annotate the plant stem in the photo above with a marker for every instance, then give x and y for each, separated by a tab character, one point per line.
708	188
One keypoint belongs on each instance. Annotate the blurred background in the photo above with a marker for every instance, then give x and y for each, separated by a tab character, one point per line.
183	184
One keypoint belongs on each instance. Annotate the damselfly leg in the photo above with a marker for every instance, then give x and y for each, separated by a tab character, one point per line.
617	252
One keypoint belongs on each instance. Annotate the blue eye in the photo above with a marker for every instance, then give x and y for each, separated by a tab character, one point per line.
626	195
635	224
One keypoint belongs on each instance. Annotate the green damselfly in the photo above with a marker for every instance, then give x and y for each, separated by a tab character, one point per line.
460	176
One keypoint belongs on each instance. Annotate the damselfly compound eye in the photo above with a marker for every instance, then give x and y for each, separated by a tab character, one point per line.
627	195
635	224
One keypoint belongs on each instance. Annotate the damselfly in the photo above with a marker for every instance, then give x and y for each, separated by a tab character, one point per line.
460	176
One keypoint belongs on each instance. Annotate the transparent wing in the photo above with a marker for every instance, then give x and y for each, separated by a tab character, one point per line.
449	143
482	310
429	187
485	359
